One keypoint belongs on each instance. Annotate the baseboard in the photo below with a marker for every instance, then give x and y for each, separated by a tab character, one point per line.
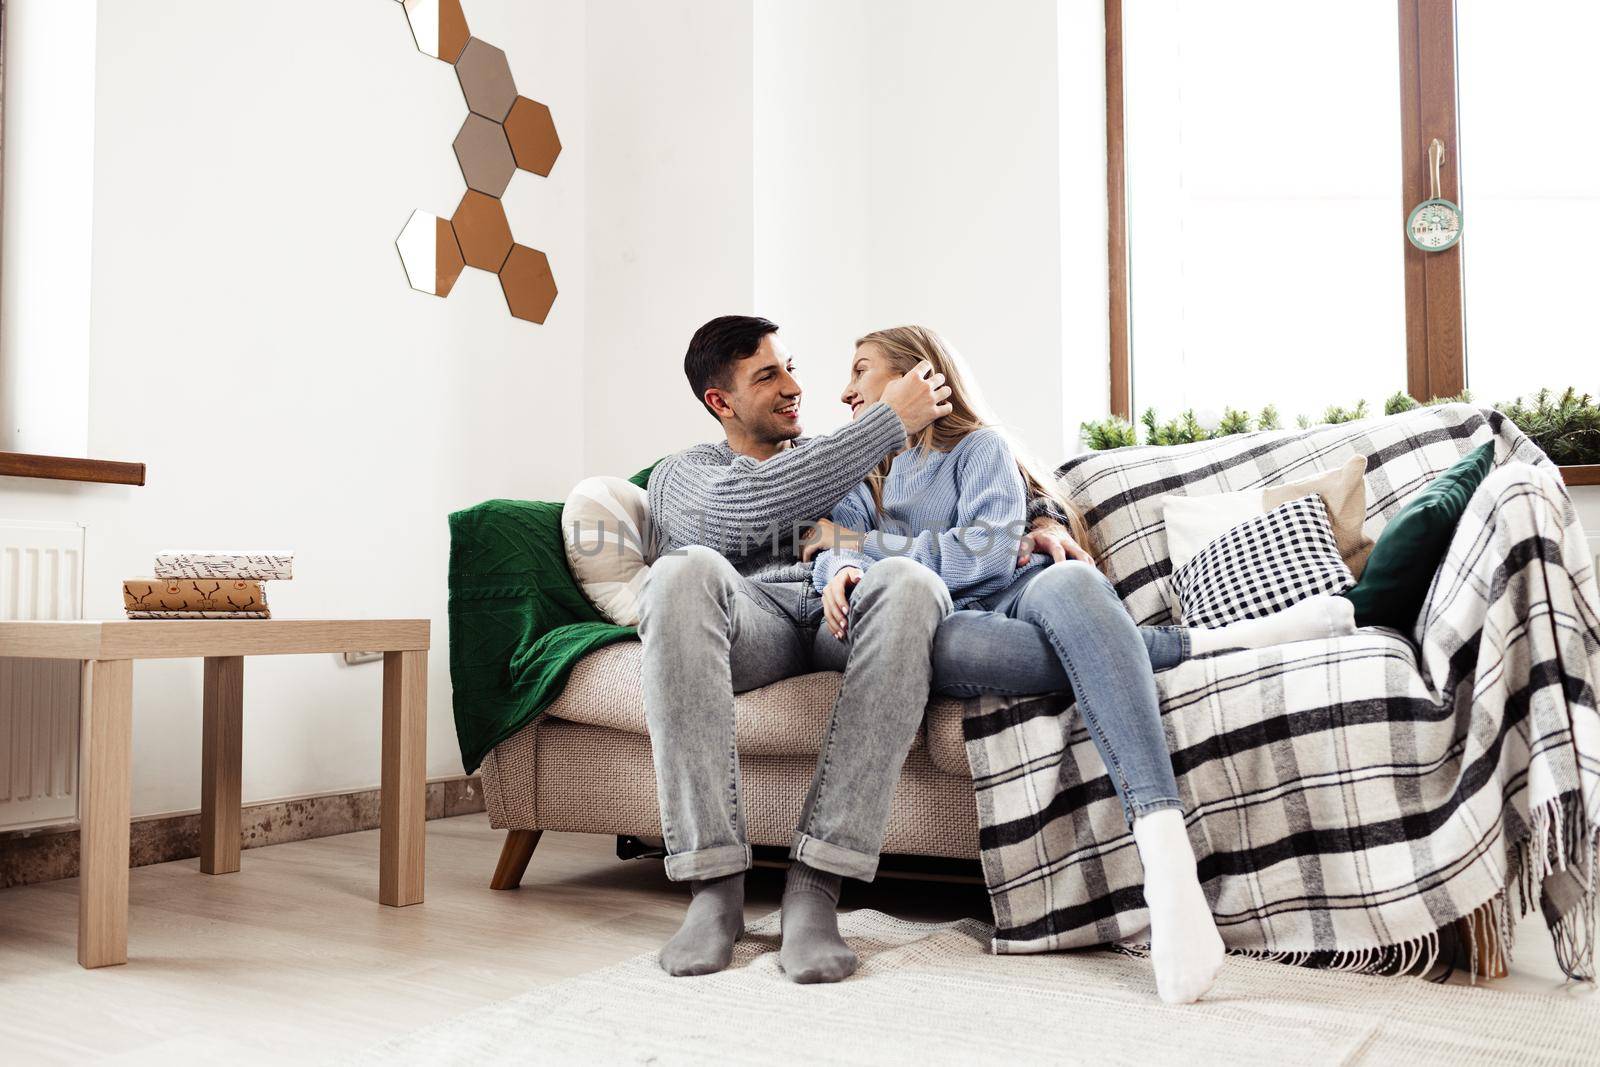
46	853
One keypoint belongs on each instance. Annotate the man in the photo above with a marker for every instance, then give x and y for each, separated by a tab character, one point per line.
727	607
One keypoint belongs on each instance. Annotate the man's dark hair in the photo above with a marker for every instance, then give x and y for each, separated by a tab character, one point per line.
717	346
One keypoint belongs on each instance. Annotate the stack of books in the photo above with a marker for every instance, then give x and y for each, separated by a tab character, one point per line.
207	584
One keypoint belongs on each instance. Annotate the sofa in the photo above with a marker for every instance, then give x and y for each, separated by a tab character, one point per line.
584	764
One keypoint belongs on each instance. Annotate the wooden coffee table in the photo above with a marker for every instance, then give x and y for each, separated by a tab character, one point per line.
108	650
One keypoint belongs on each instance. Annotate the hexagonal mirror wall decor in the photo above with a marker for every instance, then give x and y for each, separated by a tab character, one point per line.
429	253
532	134
482	231
486	79
439	26
529	286
485	156
502	133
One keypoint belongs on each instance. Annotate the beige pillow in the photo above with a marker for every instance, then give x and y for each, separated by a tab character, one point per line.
605	525
1344	492
1193	522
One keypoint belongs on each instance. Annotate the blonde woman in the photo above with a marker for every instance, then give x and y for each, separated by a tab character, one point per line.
955	500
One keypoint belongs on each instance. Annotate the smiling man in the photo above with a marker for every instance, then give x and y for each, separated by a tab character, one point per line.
728	607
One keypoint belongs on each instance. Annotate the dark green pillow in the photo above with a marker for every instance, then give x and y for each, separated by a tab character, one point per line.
1411	547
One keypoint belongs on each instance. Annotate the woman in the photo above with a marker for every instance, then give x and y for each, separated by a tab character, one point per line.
956	500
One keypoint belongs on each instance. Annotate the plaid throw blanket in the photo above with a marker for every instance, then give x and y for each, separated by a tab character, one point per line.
1346	798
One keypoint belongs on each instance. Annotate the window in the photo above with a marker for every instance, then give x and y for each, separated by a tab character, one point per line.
1254	150
1531	194
1263	205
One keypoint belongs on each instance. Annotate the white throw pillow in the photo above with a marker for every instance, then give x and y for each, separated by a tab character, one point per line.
605	525
1193	522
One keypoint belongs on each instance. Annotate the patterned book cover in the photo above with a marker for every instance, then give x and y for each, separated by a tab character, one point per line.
194	594
199	614
224	563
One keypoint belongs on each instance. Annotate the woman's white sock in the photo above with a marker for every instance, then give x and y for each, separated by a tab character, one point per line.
1312	618
1185	947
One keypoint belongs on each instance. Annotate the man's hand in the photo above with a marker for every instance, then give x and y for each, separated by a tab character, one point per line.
836	600
917	396
1052	539
828	534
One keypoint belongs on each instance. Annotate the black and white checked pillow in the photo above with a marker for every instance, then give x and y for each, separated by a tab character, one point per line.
1263	565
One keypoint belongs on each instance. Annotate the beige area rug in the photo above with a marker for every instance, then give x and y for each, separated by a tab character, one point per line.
930	993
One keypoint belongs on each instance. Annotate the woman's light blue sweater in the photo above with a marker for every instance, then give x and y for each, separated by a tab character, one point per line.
959	513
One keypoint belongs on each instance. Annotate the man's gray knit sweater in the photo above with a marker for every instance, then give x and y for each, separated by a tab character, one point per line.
749	509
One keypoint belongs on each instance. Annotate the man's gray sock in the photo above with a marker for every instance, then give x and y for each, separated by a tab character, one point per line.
704	943
812	950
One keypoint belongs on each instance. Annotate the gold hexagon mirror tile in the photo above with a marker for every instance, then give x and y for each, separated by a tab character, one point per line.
529	286
482	231
429	253
532	135
438	26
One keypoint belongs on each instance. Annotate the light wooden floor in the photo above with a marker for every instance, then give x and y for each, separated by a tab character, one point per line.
294	956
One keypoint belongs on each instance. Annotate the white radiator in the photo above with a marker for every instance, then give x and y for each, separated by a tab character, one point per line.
41	577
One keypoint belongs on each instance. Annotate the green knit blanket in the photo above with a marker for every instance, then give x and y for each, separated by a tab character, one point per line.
518	621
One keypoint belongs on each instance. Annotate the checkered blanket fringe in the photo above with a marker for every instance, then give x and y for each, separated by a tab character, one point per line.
1347	798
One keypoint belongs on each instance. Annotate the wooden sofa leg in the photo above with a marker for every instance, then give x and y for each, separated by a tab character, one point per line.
1476	930
514	857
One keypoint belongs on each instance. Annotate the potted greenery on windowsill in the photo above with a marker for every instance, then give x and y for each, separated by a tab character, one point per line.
1566	427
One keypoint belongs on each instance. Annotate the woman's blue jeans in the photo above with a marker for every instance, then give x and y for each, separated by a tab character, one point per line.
1063	628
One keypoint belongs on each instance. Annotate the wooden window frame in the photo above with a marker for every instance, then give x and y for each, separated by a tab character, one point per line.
1117	220
1435	320
1435	326
70	469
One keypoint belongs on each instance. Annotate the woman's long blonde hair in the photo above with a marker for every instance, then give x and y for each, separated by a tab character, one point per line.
906	346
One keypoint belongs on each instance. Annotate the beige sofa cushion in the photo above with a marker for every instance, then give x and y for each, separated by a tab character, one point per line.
947	745
559	775
786	718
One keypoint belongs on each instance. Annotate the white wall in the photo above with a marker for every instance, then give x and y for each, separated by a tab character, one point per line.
1085	285
910	161
945	164
1586	498
907	170
670	225
49	212
964	194
255	343
813	153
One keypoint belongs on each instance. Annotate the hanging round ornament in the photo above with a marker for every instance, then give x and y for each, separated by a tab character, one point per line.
1435	224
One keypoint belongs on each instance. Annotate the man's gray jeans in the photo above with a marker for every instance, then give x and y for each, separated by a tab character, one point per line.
709	633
